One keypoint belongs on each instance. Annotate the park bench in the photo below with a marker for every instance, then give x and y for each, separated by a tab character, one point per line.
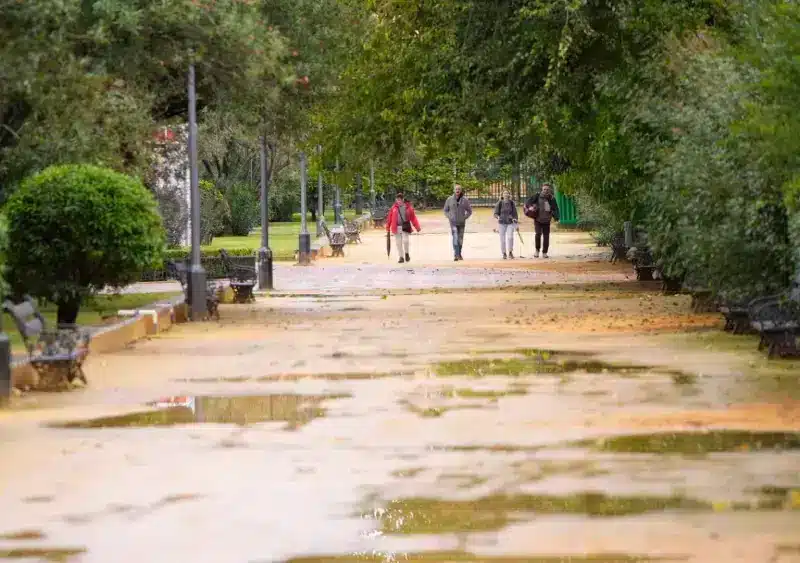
352	232
55	354
642	261
178	271
336	240
242	279
379	215
777	320
618	247
737	313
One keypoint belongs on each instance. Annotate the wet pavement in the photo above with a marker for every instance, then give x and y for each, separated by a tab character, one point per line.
536	425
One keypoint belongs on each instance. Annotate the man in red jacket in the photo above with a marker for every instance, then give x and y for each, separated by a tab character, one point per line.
401	218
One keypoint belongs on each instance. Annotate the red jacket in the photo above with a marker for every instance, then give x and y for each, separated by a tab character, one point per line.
393	219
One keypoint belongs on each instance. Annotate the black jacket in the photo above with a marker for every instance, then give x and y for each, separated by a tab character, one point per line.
534	200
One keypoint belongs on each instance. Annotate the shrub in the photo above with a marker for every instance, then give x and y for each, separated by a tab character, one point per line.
73	230
244	209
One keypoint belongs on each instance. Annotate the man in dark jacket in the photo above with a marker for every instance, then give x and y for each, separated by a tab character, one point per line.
542	208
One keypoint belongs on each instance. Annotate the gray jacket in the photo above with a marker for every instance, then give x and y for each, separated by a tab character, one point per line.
457	211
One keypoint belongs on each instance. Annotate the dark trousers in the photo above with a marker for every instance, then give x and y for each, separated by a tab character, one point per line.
542	231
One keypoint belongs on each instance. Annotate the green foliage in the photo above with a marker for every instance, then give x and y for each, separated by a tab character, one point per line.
85	81
73	230
214	212
181	254
244	209
3	247
284	195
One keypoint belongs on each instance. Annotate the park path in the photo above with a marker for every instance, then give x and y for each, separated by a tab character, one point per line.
582	419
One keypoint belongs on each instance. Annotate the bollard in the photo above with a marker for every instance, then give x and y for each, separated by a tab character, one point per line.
264	269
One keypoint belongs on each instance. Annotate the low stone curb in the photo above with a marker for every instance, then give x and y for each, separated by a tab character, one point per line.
145	321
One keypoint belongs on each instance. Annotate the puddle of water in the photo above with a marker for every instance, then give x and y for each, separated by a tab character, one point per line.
437	516
298	376
295	410
698	443
461	556
54	554
530	361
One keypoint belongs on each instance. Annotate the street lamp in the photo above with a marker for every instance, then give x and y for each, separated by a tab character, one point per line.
5	364
320	195
264	253
305	238
337	205
197	275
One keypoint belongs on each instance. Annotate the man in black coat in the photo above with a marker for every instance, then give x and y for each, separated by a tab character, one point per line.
542	208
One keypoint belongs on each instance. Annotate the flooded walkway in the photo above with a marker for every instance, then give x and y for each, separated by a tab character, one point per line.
578	420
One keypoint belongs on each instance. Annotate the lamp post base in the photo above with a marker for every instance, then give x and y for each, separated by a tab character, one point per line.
337	214
304	255
197	292
265	269
5	369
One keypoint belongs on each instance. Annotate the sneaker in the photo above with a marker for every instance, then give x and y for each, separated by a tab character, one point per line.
408	258
504	256
401	260
545	255
511	255
536	254
455	258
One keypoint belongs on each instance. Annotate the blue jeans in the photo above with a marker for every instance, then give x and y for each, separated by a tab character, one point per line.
458	238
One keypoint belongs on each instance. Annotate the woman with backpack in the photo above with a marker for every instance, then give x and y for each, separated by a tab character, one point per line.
399	222
506	214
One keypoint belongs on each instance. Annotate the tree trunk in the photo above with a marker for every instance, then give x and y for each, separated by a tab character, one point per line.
68	311
359	194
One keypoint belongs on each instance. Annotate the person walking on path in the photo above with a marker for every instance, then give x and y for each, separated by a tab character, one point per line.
506	214
542	208
457	209
399	222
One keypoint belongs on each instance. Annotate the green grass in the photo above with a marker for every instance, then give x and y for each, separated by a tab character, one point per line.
91	314
283	239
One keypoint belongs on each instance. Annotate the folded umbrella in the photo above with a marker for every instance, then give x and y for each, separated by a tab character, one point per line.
388	244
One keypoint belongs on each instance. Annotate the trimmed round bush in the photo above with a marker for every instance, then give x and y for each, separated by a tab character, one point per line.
75	229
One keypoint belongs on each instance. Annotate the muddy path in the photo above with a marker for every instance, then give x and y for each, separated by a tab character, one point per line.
590	420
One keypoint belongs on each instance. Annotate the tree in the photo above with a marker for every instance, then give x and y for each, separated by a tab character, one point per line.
76	229
85	81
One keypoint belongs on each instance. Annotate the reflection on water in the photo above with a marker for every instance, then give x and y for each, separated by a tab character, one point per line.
437	516
530	361
54	554
700	442
295	410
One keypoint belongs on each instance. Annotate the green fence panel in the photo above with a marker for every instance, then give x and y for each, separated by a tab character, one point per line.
566	205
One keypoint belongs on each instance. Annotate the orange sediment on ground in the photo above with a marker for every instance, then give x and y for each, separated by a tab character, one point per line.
784	416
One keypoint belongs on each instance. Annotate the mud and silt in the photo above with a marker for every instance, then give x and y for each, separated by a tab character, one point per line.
467	453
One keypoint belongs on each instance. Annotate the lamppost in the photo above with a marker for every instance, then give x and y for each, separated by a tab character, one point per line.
320	195
264	253
305	238
372	185
197	275
337	205
5	365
